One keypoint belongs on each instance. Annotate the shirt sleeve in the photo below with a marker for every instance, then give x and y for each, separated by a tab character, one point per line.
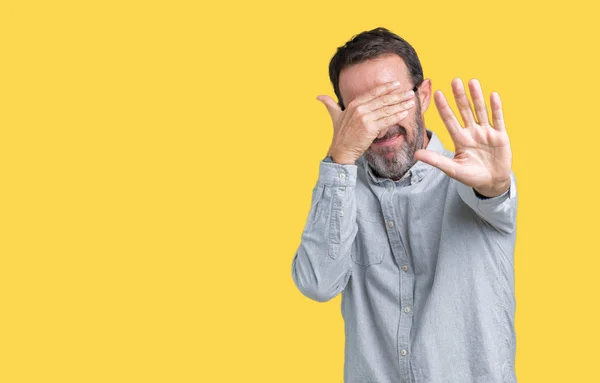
322	265
500	211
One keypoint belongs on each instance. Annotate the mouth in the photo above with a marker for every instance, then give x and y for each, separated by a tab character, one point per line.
391	136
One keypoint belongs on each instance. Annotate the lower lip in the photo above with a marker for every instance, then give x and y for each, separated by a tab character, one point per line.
389	141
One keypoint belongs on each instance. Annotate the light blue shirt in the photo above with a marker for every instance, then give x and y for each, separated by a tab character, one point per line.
425	269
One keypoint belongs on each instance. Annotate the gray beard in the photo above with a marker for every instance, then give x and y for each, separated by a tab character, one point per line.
404	158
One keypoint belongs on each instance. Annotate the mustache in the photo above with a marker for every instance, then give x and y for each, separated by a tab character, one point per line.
392	132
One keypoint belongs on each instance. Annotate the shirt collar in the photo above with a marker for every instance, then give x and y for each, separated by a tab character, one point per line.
417	172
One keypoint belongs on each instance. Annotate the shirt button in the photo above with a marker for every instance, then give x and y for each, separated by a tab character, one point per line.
341	213
403	352
391	223
342	175
390	189
407	309
404	268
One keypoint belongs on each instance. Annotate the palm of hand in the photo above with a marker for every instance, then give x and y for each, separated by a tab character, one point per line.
483	156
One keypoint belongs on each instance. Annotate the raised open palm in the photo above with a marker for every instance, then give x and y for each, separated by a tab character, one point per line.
482	156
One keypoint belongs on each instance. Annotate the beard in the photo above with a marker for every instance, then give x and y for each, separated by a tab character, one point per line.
396	166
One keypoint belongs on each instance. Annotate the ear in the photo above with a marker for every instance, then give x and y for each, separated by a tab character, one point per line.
425	94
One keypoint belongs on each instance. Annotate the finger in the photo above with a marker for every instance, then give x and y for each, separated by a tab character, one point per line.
464	106
445	164
391	98
497	114
376	92
446	114
388	121
478	101
390	110
332	107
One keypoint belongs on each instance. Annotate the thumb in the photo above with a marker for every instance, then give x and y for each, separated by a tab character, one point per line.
445	164
332	107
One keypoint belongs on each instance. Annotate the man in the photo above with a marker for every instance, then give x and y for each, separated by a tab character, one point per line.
419	240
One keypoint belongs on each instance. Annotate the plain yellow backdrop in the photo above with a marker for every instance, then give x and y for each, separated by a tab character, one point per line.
156	166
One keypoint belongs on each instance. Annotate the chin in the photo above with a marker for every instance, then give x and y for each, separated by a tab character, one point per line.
392	167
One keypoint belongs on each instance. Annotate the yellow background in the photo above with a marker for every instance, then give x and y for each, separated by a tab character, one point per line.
157	162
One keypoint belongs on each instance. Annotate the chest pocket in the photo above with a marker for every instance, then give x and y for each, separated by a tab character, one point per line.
371	242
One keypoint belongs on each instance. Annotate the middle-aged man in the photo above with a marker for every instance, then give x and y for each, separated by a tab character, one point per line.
419	240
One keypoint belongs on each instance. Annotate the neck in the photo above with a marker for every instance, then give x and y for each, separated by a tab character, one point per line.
425	140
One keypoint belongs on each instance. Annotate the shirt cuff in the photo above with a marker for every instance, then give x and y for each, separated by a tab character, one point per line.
469	196
334	174
482	197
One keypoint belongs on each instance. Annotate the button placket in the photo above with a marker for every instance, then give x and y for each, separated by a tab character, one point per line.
406	280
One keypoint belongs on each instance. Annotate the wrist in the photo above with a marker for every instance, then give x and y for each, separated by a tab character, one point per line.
495	190
340	158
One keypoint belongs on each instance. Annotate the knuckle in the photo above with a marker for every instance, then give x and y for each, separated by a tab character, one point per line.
361	110
402	115
392	85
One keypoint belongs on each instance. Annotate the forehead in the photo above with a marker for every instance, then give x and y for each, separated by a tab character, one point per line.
359	78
